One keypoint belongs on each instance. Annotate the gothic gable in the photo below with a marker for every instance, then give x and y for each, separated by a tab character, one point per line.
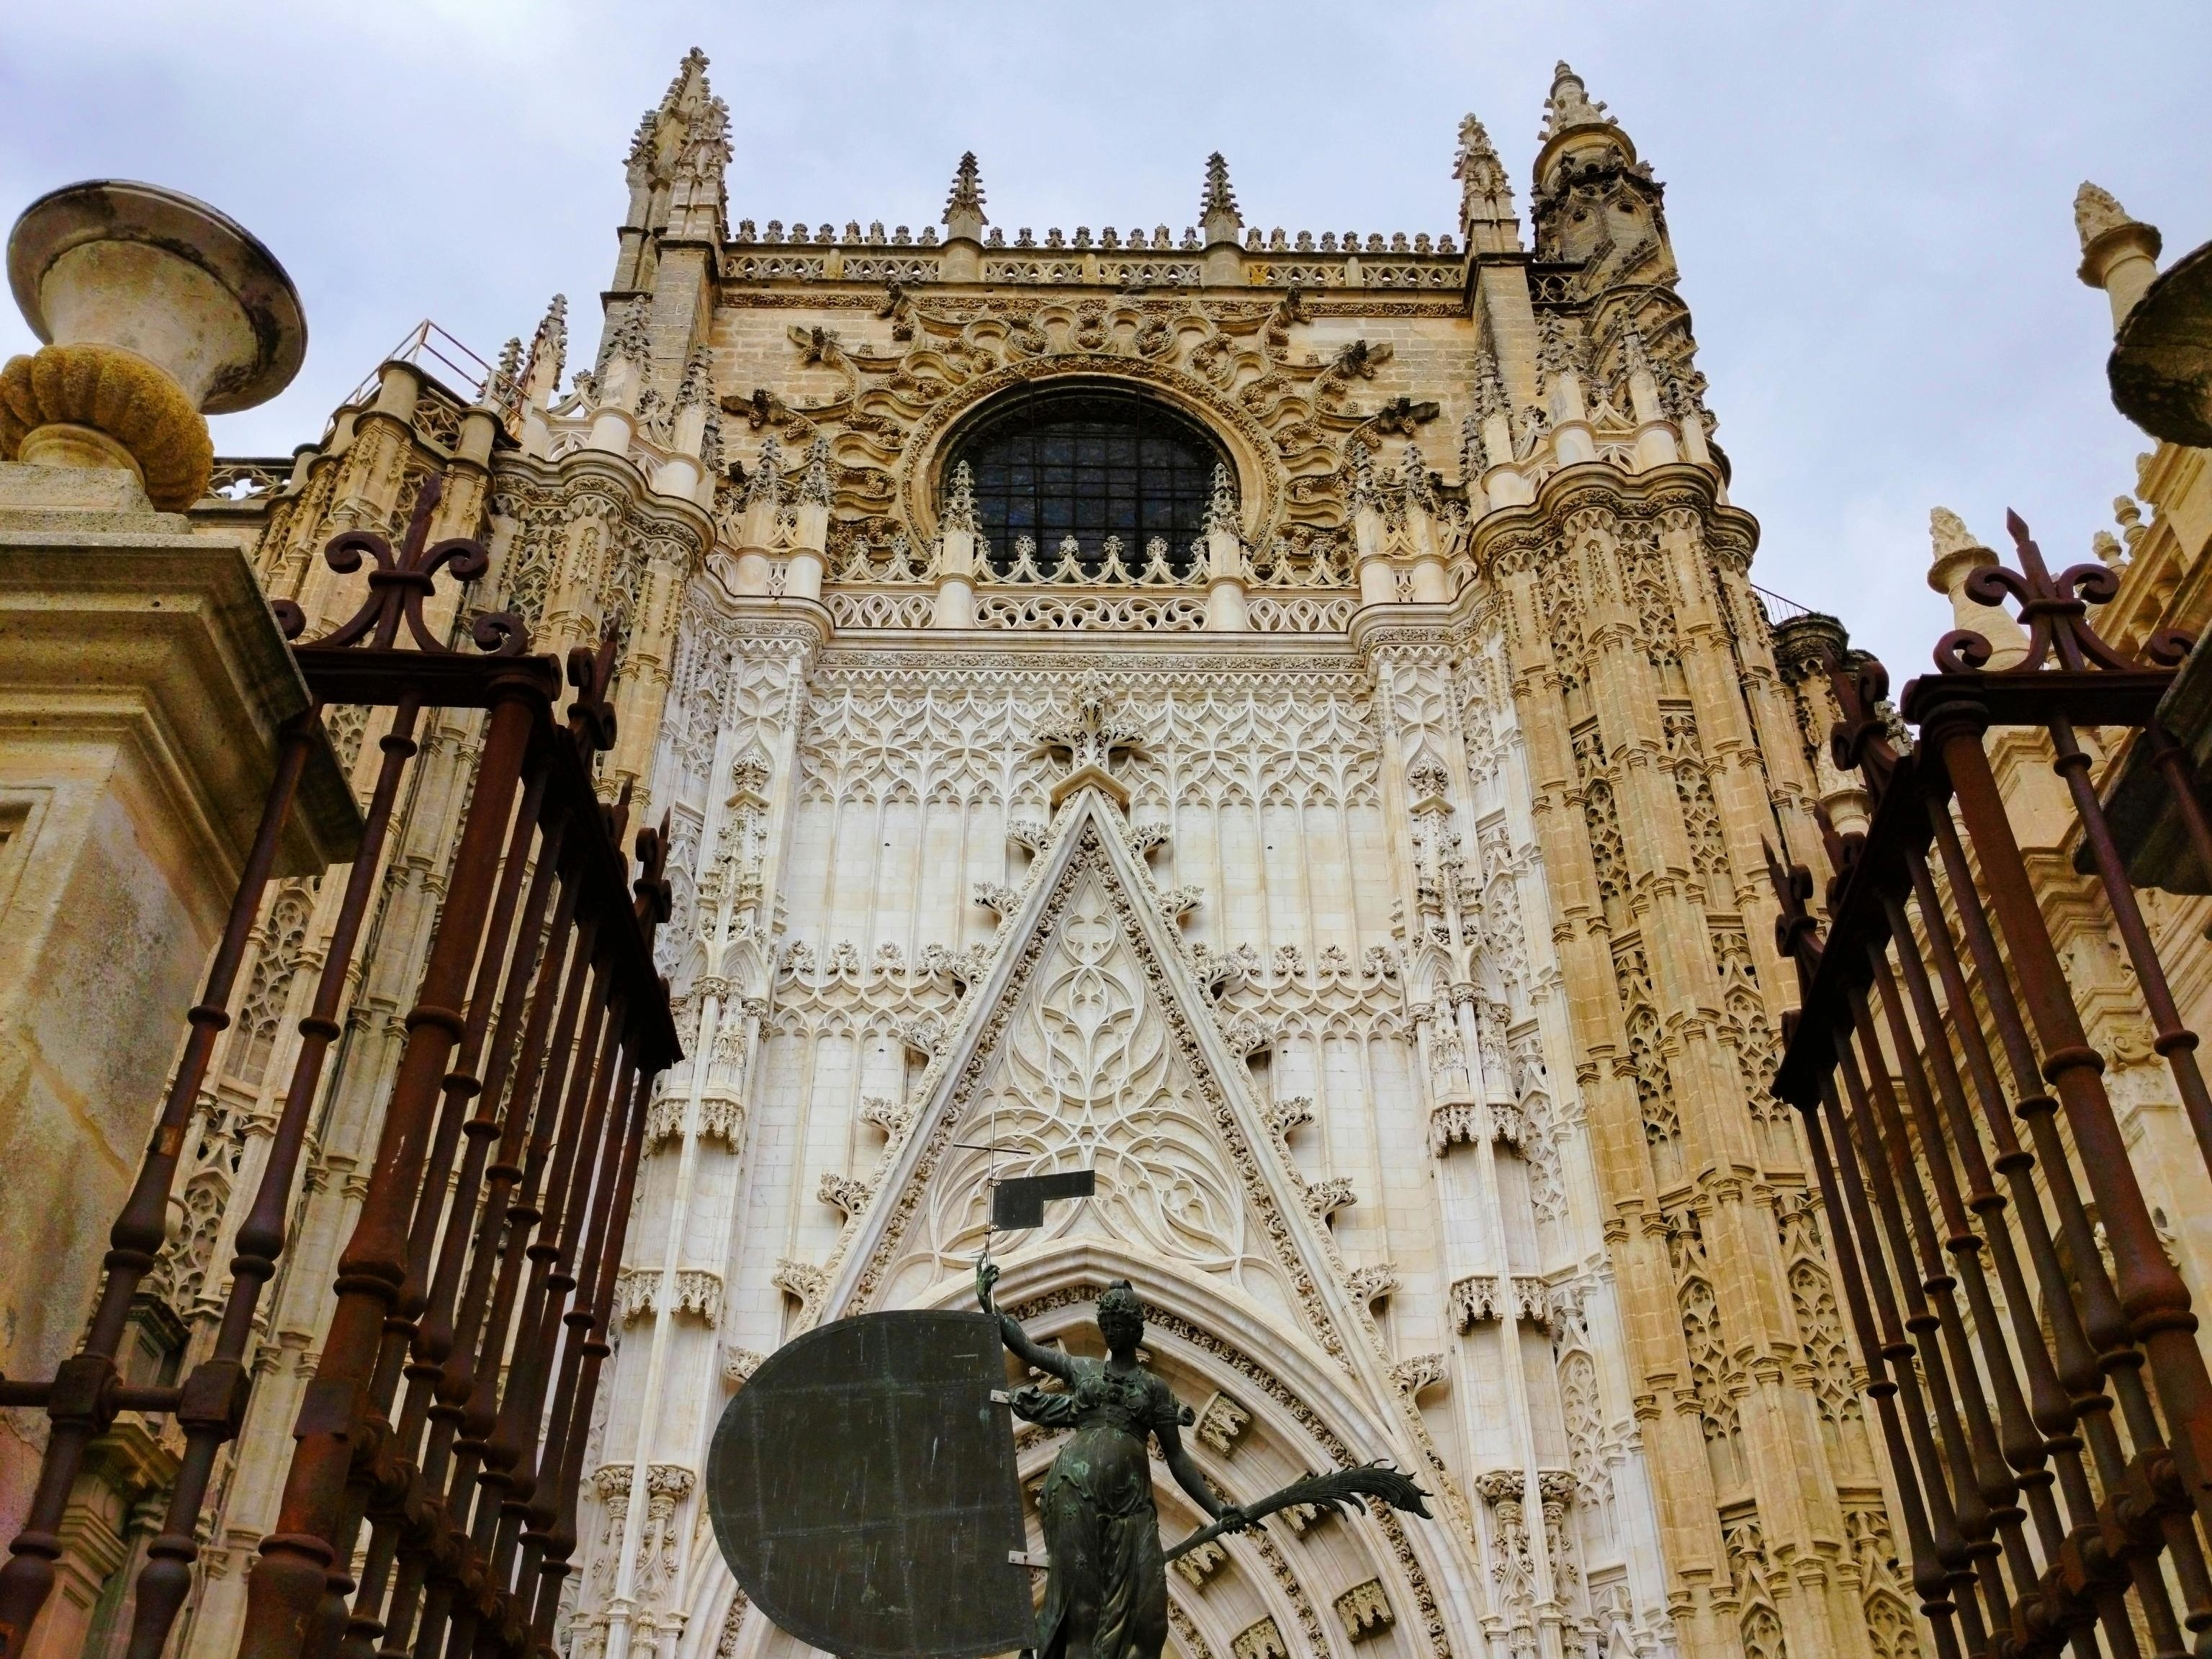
1090	1042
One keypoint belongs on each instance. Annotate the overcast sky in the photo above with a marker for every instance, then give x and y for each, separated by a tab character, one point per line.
1871	205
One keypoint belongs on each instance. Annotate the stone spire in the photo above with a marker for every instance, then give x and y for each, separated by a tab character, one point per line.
1217	209
499	386
963	208
1486	195
2120	252
693	65
661	129
674	171
549	352
1595	203
1569	106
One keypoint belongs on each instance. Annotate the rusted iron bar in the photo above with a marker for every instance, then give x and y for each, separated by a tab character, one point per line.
540	1029
385	1491
167	1578
287	1585
2066	1378
1894	1061
2156	1302
435	1401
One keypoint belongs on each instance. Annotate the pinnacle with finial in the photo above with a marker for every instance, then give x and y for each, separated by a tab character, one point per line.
960	500
1948	534
1486	195
1221	505
547	357
1219	198
2097	211
964	207
499	384
695	63
815	484
1476	153
1569	103
698	384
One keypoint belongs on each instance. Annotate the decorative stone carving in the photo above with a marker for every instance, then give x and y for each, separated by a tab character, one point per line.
1512	1569
845	1195
1412	1378
697	1292
1451	1123
1261	1641
1372	1283
1199	1566
1324	1199
1088	1068
661	1542
1220	1422
1481	1299
804	1283
1365	1611
1287	1116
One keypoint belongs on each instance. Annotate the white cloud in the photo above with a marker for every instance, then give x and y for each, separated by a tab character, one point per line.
1871	205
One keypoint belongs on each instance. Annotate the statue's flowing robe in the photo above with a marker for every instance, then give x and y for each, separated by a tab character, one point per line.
1107	1597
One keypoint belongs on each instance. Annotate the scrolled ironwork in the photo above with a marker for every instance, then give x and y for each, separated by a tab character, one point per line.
2032	1352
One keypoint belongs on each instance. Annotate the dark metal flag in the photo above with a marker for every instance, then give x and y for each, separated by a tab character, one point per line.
863	1490
1020	1204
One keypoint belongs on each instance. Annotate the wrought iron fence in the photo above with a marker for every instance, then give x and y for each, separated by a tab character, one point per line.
446	1417
2053	1460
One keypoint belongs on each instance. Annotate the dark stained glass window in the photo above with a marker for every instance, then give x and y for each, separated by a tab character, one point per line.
1090	464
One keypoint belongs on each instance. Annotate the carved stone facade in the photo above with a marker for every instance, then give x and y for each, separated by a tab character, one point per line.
1371	891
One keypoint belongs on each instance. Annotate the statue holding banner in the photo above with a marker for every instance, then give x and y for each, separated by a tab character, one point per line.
1108	1594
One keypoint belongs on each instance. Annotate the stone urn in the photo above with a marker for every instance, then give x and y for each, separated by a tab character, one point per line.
158	311
2161	364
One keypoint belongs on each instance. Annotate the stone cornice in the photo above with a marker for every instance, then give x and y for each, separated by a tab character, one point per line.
1600	483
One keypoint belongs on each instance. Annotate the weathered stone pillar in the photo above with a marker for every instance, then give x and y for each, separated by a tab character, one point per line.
143	682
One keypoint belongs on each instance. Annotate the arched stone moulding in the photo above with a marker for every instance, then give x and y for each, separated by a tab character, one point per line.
1260	480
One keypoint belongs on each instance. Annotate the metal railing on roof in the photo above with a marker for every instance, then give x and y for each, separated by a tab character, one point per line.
437	352
1779	609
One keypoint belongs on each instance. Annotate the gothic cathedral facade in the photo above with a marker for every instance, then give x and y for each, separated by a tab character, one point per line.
1280	720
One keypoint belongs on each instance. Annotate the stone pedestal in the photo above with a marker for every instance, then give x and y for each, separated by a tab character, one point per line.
142	683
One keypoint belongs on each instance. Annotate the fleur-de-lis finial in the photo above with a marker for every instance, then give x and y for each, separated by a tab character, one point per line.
398	584
592	715
2054	612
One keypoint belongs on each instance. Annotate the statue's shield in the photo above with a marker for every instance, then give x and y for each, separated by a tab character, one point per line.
863	1490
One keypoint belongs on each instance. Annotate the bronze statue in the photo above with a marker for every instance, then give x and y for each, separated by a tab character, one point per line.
1108	1594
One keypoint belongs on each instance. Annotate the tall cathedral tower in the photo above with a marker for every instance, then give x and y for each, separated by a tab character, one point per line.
1278	718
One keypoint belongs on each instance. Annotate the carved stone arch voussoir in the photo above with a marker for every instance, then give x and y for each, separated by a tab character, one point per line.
1262	483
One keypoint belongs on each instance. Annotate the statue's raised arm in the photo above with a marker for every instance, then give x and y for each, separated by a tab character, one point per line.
1051	1361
